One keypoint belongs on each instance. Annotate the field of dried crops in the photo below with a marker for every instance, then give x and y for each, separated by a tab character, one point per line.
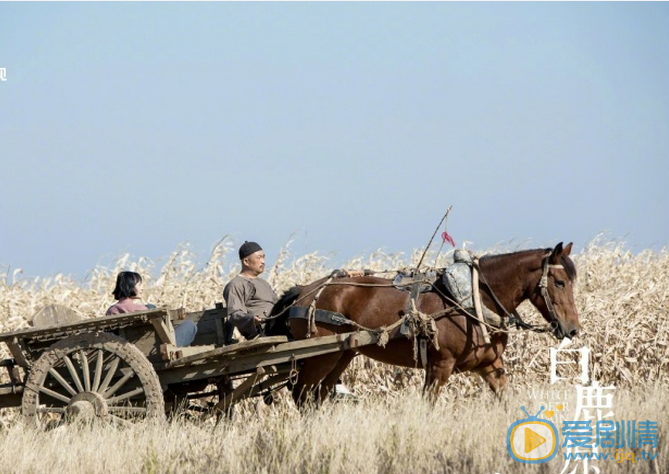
623	302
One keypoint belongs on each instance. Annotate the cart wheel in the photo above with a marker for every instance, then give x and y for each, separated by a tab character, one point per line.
92	376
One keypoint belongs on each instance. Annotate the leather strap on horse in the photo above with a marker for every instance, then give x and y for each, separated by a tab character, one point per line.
476	294
320	315
543	287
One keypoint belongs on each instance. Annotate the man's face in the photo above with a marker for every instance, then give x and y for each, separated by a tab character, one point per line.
255	262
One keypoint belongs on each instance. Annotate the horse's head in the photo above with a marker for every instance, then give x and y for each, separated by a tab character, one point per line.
554	295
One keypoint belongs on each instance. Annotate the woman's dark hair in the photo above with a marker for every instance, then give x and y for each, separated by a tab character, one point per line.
125	285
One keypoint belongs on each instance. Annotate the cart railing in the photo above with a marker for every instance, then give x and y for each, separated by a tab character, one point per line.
24	342
104	323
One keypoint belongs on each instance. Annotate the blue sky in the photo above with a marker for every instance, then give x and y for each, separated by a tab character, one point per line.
135	127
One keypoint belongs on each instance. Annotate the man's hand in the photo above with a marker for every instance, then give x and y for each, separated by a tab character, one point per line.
258	320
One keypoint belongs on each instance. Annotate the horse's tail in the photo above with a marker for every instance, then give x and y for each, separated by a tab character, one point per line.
278	317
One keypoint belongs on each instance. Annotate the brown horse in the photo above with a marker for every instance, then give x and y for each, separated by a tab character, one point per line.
543	276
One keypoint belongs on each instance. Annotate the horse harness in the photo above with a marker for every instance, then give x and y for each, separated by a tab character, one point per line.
414	324
313	314
419	326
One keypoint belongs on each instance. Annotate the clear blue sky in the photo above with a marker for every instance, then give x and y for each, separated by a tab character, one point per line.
134	127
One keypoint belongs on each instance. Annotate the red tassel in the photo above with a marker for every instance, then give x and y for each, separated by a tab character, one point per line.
447	238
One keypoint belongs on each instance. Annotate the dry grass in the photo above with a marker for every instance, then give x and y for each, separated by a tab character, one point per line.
623	302
397	433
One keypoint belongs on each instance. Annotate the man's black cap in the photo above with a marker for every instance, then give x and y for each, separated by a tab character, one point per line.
247	249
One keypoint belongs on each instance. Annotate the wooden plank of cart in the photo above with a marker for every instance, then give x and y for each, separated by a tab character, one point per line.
127	367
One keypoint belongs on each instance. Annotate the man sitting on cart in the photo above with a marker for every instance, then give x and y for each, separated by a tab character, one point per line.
250	300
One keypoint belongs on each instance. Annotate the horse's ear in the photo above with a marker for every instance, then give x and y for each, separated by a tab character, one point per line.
567	249
555	255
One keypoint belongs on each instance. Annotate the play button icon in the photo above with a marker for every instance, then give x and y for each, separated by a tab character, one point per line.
532	440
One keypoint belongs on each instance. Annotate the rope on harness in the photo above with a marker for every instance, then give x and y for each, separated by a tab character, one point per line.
311	318
418	326
311	314
422	328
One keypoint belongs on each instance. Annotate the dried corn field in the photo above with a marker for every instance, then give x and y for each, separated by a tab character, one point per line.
623	302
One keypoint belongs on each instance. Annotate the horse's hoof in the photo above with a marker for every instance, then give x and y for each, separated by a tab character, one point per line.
342	394
268	399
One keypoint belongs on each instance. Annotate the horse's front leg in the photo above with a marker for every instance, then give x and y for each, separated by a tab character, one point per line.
495	375
309	391
437	374
331	378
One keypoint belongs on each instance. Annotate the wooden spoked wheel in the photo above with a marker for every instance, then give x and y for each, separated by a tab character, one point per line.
92	376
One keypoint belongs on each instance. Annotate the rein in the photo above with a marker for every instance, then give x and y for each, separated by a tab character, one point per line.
329	281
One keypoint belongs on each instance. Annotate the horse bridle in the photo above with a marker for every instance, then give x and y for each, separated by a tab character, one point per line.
543	287
514	318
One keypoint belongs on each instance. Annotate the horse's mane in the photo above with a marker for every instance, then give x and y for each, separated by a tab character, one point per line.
278	317
566	262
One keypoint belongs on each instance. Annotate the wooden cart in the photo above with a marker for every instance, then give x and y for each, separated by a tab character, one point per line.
127	367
